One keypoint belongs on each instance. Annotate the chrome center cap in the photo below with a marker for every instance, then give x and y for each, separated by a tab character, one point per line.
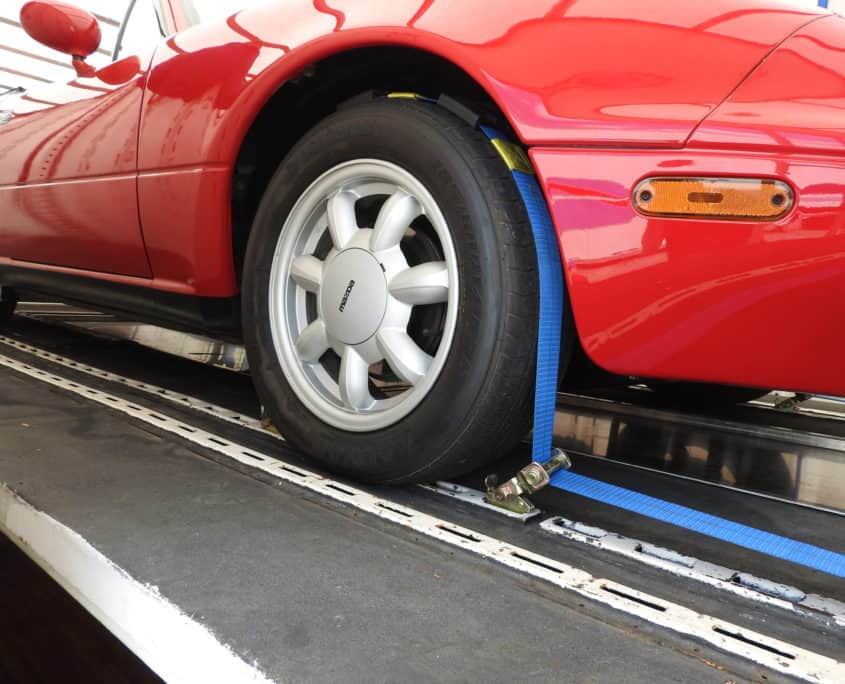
353	296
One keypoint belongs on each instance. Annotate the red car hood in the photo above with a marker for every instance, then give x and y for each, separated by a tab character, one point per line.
794	101
622	73
565	72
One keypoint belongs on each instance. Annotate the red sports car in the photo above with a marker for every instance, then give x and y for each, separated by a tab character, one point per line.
337	184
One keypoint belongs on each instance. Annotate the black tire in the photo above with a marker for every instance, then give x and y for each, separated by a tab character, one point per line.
8	303
480	406
702	395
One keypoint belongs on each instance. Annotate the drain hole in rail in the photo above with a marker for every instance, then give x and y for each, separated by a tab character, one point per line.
631	597
534	561
340	489
251	455
458	533
751	642
293	471
394	510
218	441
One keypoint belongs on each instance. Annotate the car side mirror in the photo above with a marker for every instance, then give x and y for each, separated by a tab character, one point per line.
65	28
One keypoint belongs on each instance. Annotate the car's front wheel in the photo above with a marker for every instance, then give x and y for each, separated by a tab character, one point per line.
390	296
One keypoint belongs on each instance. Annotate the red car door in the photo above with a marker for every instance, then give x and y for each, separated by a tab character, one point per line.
68	166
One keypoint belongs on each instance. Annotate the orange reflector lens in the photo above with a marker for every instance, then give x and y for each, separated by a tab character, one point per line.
739	199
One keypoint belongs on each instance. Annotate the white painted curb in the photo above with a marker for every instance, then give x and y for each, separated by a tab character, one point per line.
175	647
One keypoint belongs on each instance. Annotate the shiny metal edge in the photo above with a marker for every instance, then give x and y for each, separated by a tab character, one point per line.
196	348
783	434
476	498
740	583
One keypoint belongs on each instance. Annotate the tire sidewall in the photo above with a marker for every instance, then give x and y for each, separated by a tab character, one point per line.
393	135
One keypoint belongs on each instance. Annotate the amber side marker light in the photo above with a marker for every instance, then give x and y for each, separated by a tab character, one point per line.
737	199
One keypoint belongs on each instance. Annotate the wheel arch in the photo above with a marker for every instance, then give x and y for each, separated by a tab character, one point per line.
316	95
323	85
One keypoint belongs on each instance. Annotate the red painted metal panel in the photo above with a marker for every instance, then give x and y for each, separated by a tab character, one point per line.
564	72
187	228
74	223
794	101
586	72
61	26
748	303
751	304
84	129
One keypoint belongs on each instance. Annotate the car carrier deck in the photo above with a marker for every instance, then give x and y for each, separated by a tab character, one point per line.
148	488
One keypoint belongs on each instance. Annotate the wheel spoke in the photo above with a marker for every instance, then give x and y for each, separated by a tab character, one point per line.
427	283
341	215
313	342
403	355
394	219
307	272
354	381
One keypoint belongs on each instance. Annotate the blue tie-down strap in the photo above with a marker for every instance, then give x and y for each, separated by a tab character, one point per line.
747	537
548	360
549	326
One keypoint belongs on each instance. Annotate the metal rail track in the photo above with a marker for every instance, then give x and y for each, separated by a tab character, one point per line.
784	446
774	654
724	579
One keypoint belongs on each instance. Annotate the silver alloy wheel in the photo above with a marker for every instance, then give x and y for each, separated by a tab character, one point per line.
344	298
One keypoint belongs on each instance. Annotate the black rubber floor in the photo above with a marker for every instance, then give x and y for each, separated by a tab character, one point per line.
308	589
235	392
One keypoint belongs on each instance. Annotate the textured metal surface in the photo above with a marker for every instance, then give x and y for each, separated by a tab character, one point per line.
377	603
775	654
177	398
763	456
717	526
800	522
453	490
193	347
760	457
726	579
476	498
449	489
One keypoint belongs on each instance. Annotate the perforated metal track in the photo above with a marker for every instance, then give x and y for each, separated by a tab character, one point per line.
775	654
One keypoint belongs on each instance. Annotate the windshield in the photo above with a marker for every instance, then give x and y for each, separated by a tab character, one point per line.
198	11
